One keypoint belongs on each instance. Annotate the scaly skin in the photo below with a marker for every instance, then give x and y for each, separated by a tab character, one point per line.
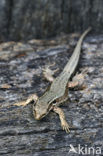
58	89
57	93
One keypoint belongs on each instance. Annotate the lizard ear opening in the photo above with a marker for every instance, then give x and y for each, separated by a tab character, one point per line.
51	105
54	102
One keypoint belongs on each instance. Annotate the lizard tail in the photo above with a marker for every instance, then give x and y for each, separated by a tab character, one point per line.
72	63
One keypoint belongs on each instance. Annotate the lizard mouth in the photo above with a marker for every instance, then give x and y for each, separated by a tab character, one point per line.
37	116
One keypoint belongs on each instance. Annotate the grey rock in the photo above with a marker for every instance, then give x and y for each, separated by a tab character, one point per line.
21	75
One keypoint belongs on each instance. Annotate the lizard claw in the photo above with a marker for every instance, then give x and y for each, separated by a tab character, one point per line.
65	127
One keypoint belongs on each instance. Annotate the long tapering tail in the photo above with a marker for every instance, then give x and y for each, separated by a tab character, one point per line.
72	63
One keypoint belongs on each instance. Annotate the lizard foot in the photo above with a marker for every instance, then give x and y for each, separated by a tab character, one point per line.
78	81
48	73
65	126
22	103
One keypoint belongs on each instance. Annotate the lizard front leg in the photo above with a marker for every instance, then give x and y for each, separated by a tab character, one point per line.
31	98
64	123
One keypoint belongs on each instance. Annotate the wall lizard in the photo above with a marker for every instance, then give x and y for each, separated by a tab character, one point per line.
57	93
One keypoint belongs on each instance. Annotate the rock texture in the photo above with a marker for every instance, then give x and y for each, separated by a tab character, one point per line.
23	20
21	67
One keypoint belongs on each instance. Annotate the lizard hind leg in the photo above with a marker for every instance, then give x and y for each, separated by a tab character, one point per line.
48	73
78	81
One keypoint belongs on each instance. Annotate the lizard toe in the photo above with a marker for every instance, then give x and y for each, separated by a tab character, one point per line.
66	127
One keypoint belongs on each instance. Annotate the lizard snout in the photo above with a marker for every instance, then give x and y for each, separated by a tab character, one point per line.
36	116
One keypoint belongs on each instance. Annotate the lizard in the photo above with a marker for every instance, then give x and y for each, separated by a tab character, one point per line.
57	92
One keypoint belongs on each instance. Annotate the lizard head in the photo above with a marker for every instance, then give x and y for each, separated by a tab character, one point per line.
41	109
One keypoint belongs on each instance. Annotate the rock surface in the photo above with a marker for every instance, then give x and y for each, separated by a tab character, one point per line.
21	67
23	20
